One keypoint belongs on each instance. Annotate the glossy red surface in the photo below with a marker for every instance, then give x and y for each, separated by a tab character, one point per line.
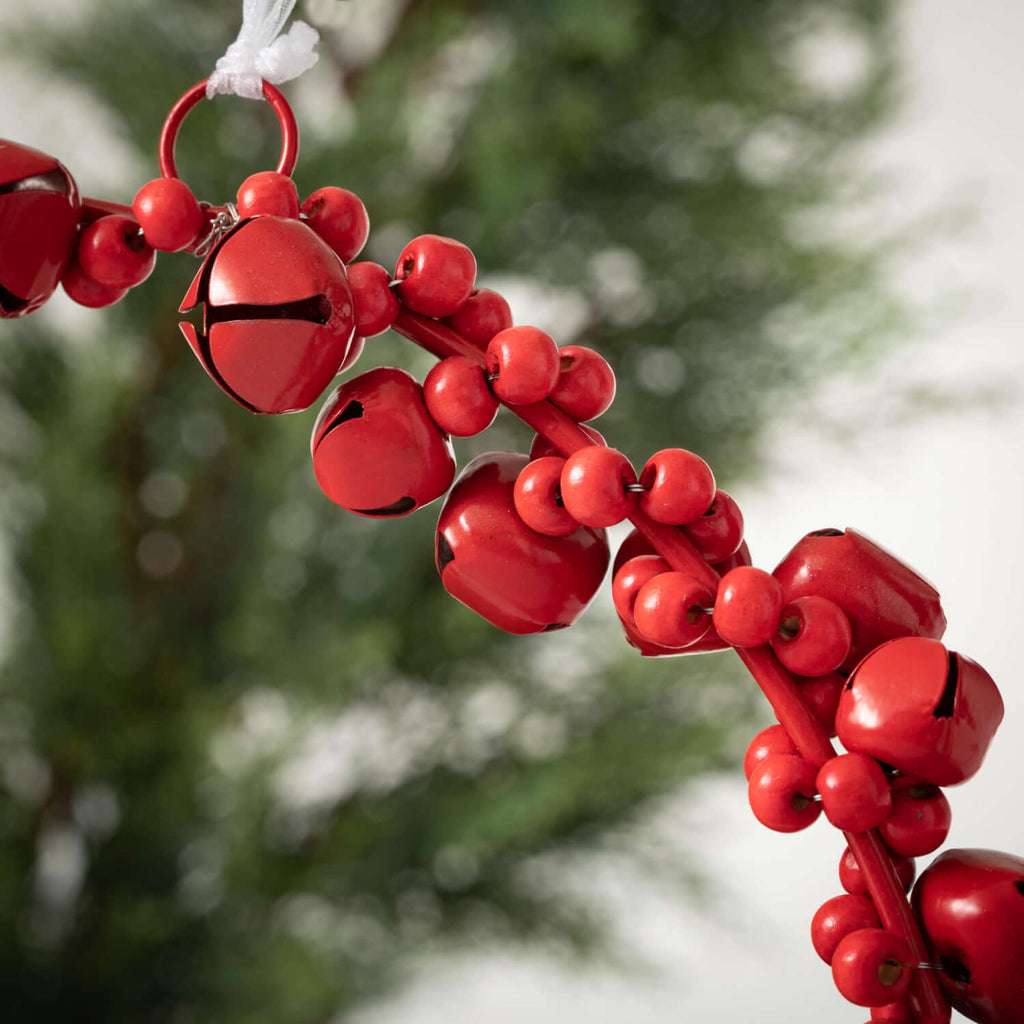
458	397
376	451
541	446
522	363
922	709
679	487
821	694
85	291
814	636
918	822
671	610
512	576
854	792
268	194
537	498
838	917
882	596
39	208
113	252
718	533
852	879
169	214
373	300
435	275
593	486
971	906
481	317
586	383
747	606
779	790
339	217
767	743
277	315
872	967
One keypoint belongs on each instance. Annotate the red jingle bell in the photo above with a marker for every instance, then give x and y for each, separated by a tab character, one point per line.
39	207
881	595
510	575
971	907
376	450
277	315
922	709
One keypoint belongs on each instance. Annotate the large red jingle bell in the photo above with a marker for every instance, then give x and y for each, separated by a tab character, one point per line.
376	450
278	317
920	708
971	907
517	579
882	596
39	208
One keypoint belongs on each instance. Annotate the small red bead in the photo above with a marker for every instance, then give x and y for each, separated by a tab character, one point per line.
872	967
268	193
483	315
629	578
821	694
586	383
113	252
814	636
538	499
718	533
339	218
373	300
837	918
87	292
458	398
918	822
523	365
854	792
679	487
670	610
741	556
169	215
542	446
747	607
852	879
780	791
769	742
594	483
435	275
892	1013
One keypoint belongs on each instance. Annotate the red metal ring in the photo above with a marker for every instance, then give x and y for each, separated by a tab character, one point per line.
285	117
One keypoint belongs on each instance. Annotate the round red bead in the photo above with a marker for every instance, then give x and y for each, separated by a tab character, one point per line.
872	967
780	791
435	275
586	383
747	606
538	499
87	292
769	742
169	214
854	792
918	822
837	918
679	487
458	398
852	879
718	533
629	578
821	694
814	636
113	252
594	483
483	315
523	364
339	218
670	610
268	193
373	301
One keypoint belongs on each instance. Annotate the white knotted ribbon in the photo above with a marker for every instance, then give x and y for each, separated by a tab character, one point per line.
261	54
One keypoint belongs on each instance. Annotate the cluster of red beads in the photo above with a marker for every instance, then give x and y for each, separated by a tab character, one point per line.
842	637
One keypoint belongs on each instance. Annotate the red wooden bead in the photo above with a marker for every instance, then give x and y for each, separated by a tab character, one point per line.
971	907
87	292
169	214
882	596
268	193
586	383
459	399
854	792
670	610
630	577
39	209
435	275
277	314
538	498
679	487
491	561
376	451
852	879
718	533
747	607
918	822
594	483
112	251
892	1013
541	446
483	315
373	300
813	637
837	918
872	967
821	694
339	218
922	709
780	791
523	365
767	743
